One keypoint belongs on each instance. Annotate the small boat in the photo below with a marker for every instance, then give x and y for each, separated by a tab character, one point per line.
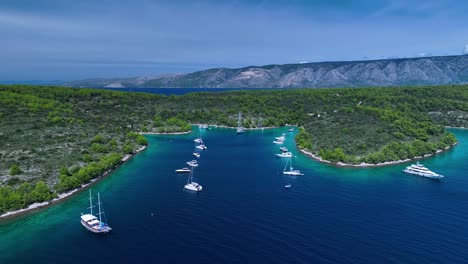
287	186
282	138
291	171
291	130
91	222
278	142
203	126
196	154
201	147
420	170
283	134
284	155
191	185
198	140
183	170
284	149
239	129
192	163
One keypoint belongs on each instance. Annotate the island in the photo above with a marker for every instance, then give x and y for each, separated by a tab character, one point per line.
58	140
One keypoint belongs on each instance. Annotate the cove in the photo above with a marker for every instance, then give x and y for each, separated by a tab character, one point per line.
244	213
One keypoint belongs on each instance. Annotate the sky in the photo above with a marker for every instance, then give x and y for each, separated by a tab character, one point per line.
70	39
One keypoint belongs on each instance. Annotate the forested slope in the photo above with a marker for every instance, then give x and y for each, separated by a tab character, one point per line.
54	139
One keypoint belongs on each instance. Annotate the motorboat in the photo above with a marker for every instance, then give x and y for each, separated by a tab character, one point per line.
183	170
196	154
420	170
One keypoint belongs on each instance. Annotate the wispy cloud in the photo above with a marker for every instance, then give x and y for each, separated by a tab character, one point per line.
69	39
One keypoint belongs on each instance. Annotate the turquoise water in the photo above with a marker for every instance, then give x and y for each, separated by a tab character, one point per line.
244	213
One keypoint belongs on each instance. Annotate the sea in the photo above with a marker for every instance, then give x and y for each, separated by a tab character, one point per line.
244	214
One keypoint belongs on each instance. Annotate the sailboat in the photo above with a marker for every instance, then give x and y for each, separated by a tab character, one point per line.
191	185
291	170
91	222
239	129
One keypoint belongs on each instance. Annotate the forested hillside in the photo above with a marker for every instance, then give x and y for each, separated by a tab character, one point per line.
54	139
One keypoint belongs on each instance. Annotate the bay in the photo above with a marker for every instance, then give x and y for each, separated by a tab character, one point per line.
244	214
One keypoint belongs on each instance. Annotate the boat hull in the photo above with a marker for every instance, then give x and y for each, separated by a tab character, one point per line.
193	187
104	230
432	176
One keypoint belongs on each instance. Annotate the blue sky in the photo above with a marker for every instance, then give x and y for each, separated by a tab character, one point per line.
67	40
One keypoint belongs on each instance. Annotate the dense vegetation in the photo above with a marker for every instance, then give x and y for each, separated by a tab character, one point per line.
55	139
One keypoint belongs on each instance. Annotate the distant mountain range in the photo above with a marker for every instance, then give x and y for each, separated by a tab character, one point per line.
387	72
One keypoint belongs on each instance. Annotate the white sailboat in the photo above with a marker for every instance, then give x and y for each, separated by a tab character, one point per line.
284	155
191	185
91	222
291	170
239	129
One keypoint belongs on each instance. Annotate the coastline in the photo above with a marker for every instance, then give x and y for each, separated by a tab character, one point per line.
209	126
364	165
63	196
168	133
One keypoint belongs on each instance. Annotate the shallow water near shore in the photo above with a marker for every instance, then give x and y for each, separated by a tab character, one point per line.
244	213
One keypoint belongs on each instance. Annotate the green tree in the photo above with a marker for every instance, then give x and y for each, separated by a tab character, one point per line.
15	170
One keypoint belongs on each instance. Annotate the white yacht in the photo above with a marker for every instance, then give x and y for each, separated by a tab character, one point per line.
196	154
420	170
284	155
198	141
291	130
278	142
291	171
183	170
282	138
91	222
203	126
191	185
284	149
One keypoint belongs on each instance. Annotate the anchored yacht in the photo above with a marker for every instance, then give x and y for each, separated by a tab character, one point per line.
420	170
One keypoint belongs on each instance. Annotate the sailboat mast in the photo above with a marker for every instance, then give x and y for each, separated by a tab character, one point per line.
287	161
90	202
99	205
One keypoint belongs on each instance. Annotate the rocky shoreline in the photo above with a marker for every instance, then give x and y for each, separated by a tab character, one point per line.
63	196
363	164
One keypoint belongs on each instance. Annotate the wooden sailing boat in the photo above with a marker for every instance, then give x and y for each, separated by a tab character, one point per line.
91	222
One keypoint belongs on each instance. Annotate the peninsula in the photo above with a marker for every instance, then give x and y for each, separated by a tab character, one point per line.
55	140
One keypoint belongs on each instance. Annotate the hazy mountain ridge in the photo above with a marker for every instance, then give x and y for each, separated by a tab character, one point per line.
388	72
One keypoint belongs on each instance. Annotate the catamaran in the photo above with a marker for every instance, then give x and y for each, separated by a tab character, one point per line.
291	170
91	222
192	163
239	129
191	185
420	170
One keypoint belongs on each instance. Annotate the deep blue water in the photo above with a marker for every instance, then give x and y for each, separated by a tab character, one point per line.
245	215
179	91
